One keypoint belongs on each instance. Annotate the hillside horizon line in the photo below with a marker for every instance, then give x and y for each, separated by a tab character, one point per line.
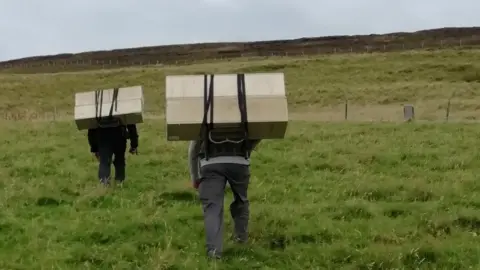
175	53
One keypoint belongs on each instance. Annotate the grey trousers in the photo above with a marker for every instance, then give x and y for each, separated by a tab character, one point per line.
212	192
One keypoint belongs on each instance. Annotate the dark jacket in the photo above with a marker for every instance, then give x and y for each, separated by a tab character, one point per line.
112	136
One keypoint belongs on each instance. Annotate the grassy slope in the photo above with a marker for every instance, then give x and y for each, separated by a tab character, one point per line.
344	195
328	196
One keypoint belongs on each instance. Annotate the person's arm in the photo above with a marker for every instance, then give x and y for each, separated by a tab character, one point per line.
194	163
133	133
92	140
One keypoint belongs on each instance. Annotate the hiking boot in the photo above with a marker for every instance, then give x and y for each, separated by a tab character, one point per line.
239	240
119	183
213	255
105	181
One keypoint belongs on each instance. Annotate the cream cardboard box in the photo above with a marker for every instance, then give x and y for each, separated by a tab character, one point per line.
267	109
128	107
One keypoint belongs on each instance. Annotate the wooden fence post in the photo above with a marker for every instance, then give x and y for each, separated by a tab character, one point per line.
408	112
346	104
447	113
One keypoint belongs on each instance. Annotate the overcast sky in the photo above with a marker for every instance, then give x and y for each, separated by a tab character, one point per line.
32	27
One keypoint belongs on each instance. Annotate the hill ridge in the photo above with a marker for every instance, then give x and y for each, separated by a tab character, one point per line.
175	53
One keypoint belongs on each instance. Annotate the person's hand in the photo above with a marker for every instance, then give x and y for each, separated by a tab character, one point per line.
133	151
195	184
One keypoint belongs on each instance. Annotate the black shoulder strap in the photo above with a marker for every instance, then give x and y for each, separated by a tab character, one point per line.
242	106
207	104
114	103
98	104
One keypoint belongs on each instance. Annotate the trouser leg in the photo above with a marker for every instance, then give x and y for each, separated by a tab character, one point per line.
238	177
105	159
211	192
119	161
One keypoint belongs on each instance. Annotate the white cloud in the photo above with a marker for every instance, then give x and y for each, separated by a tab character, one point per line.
32	28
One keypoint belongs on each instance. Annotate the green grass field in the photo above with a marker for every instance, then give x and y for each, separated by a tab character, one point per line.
331	195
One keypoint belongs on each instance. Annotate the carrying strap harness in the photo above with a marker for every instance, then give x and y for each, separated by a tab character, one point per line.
108	121
208	97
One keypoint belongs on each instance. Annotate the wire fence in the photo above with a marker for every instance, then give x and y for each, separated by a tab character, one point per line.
159	57
448	110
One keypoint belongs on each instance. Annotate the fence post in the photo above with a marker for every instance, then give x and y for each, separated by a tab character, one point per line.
346	109
408	112
447	113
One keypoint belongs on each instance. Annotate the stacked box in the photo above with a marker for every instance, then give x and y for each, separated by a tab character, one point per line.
127	107
266	100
